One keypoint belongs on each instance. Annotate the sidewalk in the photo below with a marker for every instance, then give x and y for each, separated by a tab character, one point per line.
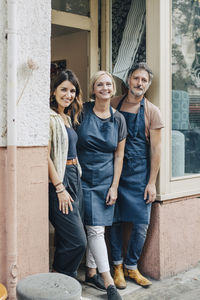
184	286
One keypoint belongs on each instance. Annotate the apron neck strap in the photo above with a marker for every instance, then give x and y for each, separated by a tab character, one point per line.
140	114
120	102
111	113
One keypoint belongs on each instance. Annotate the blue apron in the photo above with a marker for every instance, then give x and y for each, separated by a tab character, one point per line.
97	142
130	205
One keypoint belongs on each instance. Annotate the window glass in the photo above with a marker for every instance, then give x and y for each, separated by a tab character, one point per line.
79	7
185	87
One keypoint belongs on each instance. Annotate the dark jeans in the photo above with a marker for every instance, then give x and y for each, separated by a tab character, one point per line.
70	238
135	244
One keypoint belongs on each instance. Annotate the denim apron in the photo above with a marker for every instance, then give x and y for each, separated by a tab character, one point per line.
130	205
97	142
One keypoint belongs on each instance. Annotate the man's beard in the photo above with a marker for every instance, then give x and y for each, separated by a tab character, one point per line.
139	93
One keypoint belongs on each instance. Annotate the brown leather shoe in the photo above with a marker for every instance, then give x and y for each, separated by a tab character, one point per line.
137	277
118	277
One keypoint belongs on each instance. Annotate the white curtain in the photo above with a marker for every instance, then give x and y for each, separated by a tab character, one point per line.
132	35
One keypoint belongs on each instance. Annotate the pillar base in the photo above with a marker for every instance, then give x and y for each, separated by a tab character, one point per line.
49	286
173	240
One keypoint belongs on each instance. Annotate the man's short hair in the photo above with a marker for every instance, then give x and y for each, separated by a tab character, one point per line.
141	65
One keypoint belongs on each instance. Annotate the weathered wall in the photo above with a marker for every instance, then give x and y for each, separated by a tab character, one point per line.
32	208
3	57
2	215
33	35
173	242
32	211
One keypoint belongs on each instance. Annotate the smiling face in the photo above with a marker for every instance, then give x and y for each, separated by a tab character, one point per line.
138	82
103	88
65	94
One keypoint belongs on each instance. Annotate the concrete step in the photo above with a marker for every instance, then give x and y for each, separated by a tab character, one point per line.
90	293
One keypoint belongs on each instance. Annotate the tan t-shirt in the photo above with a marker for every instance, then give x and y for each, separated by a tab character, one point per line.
153	119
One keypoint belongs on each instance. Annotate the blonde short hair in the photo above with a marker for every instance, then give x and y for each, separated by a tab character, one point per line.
95	77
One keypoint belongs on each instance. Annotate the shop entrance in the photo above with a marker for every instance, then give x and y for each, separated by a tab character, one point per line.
69	49
74	39
74	45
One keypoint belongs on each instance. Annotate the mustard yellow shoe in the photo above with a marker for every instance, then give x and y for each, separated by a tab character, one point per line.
137	277
3	292
118	277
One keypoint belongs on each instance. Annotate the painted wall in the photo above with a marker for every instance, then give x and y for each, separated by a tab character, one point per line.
32	212
32	208
2	215
33	36
3	57
73	48
173	242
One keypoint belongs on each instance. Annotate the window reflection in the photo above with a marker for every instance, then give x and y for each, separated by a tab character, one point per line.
79	7
186	87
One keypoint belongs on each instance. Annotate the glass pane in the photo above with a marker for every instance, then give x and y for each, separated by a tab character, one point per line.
185	87
79	7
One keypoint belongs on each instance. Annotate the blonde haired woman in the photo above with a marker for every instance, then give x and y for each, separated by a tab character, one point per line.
101	140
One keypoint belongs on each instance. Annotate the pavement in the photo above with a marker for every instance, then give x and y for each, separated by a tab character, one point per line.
183	286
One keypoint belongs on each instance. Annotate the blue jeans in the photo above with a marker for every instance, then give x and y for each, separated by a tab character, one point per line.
135	244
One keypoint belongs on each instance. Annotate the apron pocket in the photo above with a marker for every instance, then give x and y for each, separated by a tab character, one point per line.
103	175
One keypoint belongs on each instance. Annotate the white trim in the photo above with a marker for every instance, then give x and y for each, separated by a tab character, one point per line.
93	37
178	195
158	39
106	35
159	59
63	18
84	23
185	177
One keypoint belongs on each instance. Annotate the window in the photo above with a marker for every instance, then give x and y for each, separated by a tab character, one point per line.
185	87
80	7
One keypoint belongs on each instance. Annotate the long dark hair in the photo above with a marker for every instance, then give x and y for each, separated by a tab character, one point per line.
76	107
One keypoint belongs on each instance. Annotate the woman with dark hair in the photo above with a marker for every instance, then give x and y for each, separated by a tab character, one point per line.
65	193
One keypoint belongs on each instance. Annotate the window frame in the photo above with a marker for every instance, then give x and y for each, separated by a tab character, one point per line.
85	23
158	43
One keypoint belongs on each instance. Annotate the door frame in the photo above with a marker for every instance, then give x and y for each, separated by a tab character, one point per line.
84	23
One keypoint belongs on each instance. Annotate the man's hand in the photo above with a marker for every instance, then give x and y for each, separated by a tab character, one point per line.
150	193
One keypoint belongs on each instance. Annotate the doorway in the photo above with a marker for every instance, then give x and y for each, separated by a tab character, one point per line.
74	45
69	49
74	38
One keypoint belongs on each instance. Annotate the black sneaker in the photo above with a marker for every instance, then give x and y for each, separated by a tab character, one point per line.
95	281
112	293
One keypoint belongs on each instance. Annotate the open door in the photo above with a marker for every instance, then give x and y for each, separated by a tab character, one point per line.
74	39
69	49
74	45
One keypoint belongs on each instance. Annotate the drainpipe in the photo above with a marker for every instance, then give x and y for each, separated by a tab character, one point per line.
11	192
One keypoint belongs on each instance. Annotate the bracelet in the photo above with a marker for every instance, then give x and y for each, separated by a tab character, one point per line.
57	184
60	191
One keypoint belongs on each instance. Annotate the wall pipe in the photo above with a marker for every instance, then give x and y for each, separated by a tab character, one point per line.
11	192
